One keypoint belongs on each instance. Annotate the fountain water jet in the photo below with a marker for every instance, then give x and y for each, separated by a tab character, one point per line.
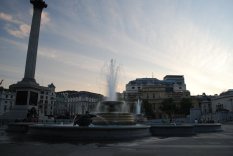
115	112
138	107
111	77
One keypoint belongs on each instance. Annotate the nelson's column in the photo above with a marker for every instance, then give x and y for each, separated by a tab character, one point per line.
28	89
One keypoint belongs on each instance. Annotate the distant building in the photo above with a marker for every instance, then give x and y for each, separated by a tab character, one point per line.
223	102
177	82
202	108
47	98
217	108
74	102
7	100
154	91
61	108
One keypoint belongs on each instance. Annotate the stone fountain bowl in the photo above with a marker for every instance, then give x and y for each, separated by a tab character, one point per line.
114	118
113	113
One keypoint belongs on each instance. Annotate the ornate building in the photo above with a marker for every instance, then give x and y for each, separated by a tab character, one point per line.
74	102
47	98
154	91
223	102
7	100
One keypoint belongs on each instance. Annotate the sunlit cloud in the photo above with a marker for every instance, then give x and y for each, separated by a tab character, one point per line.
9	18
21	32
45	19
17	27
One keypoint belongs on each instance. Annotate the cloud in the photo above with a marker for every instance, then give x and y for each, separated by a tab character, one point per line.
18	28
21	32
45	19
9	18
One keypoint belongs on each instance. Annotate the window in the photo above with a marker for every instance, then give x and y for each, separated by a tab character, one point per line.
219	107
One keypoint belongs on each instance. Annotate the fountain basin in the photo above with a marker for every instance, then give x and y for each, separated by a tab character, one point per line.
20	127
114	118
95	133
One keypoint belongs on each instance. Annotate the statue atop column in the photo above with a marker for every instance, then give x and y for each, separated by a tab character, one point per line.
39	3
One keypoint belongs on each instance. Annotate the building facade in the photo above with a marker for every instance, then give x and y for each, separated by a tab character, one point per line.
46	101
73	102
7	100
223	102
154	91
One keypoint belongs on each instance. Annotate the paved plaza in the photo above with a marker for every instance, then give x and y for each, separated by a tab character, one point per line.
205	144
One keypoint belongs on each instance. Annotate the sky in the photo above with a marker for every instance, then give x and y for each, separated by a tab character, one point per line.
146	38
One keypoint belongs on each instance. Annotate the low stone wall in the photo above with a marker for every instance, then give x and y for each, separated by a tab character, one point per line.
18	127
206	128
97	133
117	132
172	130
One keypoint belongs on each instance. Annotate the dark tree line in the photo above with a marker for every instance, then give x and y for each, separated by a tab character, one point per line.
169	107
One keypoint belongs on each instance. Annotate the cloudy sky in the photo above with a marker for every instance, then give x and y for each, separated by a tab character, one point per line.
147	38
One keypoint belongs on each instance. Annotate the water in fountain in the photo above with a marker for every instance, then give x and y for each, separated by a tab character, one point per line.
115	112
112	80
118	108
138	107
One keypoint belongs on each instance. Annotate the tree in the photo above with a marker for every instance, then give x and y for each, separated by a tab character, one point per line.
168	106
148	109
185	105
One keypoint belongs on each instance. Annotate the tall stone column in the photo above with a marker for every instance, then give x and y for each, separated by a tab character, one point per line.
29	74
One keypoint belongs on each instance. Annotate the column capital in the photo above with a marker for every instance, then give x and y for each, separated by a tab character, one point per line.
39	4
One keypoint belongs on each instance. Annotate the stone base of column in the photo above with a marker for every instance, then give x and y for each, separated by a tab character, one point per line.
25	83
27	92
29	80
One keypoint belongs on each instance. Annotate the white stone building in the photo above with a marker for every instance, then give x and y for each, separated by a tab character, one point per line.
83	101
46	101
223	102
74	102
7	100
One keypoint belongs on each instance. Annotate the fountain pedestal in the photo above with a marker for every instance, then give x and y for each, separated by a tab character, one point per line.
113	113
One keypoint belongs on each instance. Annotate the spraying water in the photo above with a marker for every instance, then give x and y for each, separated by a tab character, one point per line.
138	107
112	80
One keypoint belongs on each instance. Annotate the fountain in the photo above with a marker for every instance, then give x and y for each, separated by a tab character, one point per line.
113	111
112	121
